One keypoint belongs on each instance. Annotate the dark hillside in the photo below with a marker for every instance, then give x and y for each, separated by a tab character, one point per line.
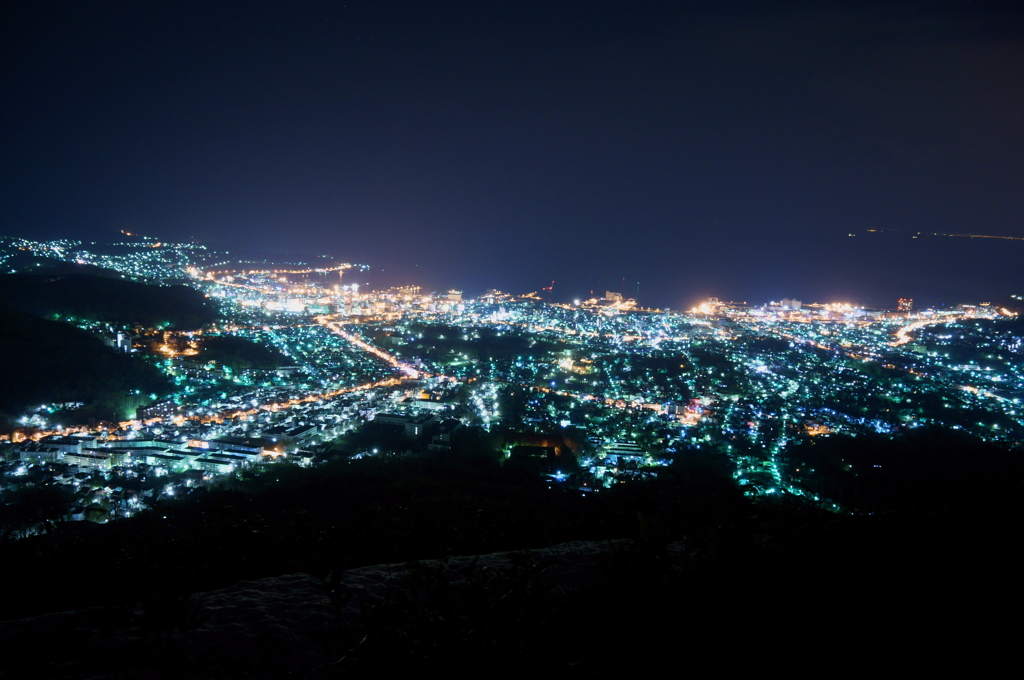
44	362
708	575
115	301
241	353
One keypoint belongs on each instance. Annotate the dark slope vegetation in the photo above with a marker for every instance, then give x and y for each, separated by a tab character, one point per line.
241	353
922	468
752	576
338	515
25	262
115	301
45	362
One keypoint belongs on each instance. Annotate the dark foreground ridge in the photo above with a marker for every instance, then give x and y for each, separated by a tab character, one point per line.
577	609
699	577
302	625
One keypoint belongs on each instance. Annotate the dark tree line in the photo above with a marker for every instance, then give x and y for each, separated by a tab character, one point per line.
109	300
47	362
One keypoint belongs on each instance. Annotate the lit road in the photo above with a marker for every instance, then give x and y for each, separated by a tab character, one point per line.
336	328
903	334
214	416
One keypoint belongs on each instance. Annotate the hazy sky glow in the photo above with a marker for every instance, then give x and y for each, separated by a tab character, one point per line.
726	149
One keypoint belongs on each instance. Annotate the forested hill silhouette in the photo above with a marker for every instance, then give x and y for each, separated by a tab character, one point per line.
45	362
701	566
115	301
240	353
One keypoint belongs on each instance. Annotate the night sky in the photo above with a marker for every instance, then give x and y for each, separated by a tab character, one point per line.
721	148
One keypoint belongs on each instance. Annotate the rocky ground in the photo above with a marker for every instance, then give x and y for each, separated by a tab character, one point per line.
463	610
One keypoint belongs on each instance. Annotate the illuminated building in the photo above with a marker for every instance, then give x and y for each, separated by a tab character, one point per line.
161	409
96	459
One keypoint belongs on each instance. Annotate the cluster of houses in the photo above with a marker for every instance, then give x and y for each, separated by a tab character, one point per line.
220	454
